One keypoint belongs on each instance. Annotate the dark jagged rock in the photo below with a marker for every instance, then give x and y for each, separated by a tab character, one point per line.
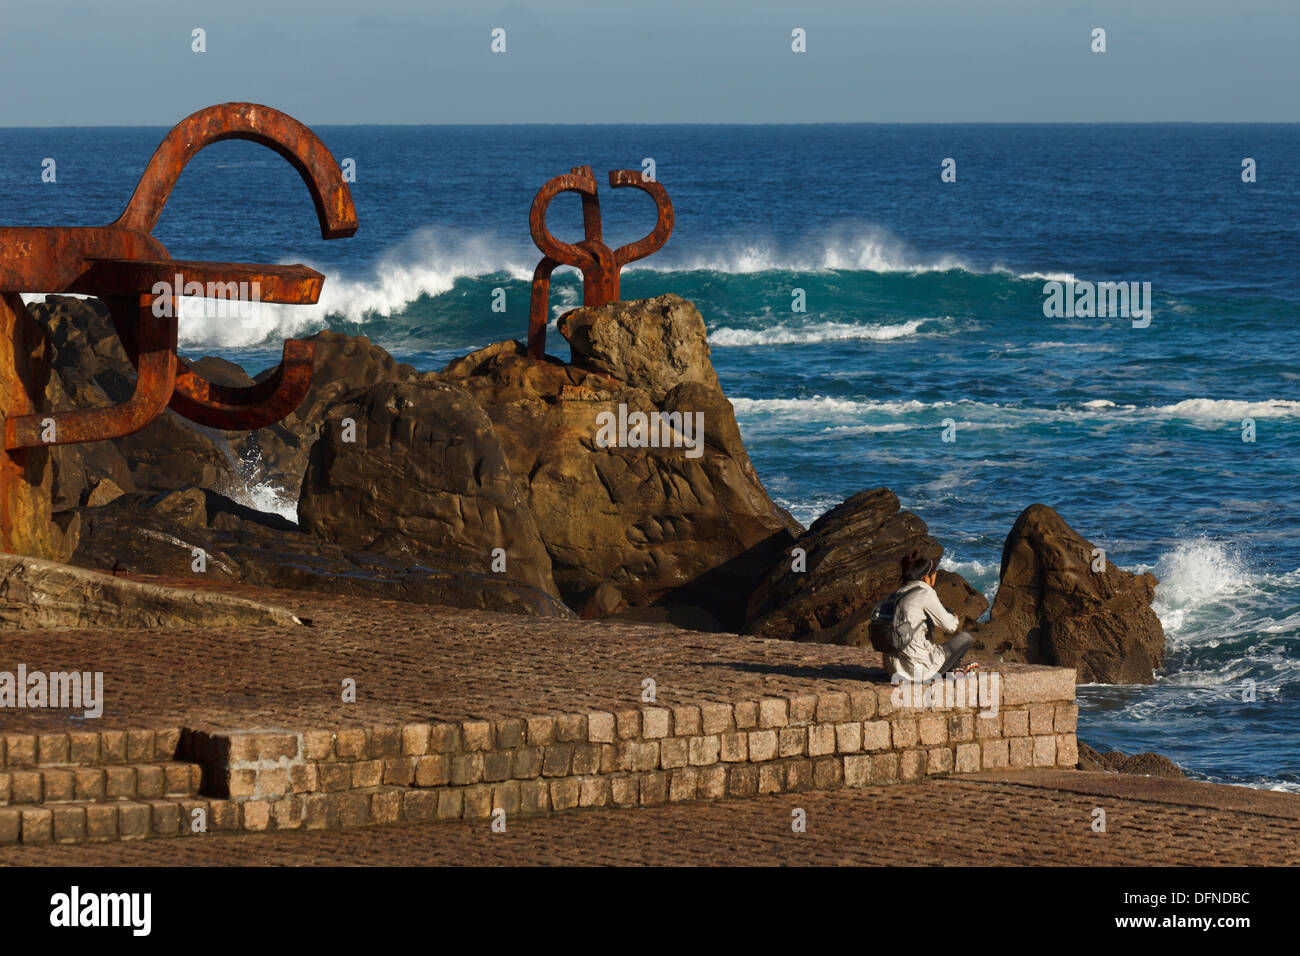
422	476
1146	764
91	369
1053	608
656	524
160	534
345	366
853	555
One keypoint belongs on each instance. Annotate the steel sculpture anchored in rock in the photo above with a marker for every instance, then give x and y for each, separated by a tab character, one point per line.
124	265
600	265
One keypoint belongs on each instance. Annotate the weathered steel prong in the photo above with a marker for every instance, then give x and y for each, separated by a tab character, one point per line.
581	181
290	284
154	339
621	178
233	408
259	124
538	306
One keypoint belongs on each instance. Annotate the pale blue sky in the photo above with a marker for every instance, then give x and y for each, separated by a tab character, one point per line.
71	62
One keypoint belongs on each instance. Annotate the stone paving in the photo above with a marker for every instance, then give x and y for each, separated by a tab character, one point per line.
1034	817
412	663
449	702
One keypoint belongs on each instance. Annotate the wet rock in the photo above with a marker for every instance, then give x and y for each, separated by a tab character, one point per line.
1051	607
345	366
852	559
1147	764
91	370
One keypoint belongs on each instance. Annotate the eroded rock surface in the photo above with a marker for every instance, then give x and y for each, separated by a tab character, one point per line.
423	476
40	594
853	556
671	525
1051	607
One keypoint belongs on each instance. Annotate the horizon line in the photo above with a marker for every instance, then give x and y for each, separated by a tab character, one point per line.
1214	122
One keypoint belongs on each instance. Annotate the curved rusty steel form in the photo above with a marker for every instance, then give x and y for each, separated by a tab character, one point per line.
123	265
599	264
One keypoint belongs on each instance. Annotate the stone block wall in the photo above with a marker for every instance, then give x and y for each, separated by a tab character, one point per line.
89	786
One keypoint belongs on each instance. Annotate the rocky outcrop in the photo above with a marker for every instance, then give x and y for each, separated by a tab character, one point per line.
41	594
415	470
91	369
197	533
345	366
1052	607
1146	764
655	344
851	559
628	490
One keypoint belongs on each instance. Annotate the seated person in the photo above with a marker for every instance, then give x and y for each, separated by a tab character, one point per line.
917	611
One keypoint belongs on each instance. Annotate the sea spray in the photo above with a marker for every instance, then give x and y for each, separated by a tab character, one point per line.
1195	577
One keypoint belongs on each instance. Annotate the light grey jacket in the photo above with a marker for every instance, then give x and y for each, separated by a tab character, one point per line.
919	606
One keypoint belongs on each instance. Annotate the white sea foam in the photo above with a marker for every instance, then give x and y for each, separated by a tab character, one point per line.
782	334
849	247
268	499
427	263
1198	411
1195	577
820	405
1043	276
431	259
1217	409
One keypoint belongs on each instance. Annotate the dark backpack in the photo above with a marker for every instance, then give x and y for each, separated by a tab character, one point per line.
884	636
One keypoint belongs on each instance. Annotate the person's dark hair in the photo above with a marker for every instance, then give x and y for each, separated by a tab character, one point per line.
916	566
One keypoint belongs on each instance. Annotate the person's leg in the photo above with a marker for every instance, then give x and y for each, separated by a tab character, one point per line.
953	650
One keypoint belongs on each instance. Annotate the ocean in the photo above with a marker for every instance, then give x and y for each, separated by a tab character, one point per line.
924	312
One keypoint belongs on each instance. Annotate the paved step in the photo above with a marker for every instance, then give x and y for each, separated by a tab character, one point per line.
97	822
76	784
87	748
112	820
343	777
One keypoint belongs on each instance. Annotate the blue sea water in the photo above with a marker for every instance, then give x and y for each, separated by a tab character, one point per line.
924	303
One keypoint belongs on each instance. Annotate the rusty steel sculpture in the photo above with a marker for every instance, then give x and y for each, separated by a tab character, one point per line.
123	264
600	265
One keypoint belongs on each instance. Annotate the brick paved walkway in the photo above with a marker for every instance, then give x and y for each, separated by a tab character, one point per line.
1026	817
410	663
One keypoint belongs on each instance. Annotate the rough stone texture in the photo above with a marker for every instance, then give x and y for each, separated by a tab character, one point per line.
653	525
40	594
1042	817
91	370
854	554
655	344
1144	764
345	366
159	534
425	475
1052	608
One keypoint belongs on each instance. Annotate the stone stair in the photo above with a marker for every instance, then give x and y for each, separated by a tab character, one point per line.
123	785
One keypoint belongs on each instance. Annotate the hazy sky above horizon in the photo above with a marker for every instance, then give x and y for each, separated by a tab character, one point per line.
72	62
